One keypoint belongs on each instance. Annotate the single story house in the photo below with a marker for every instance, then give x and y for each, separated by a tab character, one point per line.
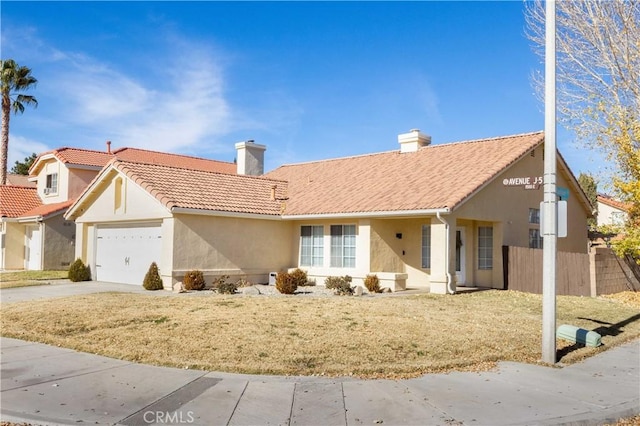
425	216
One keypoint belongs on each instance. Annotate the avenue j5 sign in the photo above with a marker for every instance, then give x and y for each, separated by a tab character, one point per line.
527	182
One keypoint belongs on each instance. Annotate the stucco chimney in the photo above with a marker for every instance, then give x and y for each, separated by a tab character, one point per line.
250	158
108	147
412	141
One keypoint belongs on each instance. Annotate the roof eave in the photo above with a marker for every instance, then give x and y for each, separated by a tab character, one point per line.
222	213
375	214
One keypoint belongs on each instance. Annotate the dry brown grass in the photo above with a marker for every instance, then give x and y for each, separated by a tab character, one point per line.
370	337
29	278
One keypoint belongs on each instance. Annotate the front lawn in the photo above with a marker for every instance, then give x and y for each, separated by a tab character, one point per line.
372	337
29	278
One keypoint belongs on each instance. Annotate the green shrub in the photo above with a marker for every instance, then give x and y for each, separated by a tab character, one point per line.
152	280
341	285
221	285
372	283
193	280
79	272
285	283
299	277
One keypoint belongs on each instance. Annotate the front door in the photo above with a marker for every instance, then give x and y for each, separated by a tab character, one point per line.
460	256
33	248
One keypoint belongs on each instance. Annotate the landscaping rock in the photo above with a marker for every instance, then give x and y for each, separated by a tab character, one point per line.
385	290
178	288
357	291
250	291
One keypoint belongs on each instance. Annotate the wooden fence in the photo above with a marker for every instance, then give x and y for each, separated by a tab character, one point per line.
523	271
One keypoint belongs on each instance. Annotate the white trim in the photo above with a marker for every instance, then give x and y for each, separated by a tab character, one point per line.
186	210
396	213
83	166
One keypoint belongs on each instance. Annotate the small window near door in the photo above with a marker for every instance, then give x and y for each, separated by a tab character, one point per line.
52	184
485	247
426	246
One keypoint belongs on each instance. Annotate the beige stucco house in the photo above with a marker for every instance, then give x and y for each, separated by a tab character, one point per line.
34	234
611	212
423	216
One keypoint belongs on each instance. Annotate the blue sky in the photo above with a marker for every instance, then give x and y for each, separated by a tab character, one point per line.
311	80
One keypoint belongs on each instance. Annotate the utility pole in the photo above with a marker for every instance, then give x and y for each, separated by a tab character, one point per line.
550	204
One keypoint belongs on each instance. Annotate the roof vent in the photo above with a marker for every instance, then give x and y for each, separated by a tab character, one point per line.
412	141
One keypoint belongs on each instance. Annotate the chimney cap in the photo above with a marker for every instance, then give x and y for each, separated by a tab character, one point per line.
108	147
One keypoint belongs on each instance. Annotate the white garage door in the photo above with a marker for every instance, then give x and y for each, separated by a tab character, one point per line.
124	253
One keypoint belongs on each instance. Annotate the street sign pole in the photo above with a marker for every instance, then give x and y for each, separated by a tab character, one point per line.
550	236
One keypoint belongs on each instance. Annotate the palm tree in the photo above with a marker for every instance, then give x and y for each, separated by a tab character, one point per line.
14	79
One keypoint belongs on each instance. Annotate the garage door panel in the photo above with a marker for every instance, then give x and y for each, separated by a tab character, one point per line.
123	254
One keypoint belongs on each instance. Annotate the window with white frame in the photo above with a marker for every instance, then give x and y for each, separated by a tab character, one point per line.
535	239
52	184
426	246
485	247
311	245
343	246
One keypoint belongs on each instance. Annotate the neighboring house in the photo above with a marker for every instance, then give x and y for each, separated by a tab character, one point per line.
19	180
430	216
610	211
35	234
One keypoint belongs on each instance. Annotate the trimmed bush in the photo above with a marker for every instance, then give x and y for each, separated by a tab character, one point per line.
221	285
341	285
78	271
372	283
193	280
285	283
299	277
243	282
152	280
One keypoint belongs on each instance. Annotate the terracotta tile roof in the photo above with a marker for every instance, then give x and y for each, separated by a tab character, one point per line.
434	177
608	200
205	190
16	200
174	160
45	210
20	180
85	157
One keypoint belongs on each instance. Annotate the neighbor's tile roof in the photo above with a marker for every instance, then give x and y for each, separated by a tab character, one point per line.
16	200
606	199
20	180
48	209
174	160
205	190
434	177
85	157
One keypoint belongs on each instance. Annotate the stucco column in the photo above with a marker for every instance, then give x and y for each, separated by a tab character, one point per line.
443	252
166	272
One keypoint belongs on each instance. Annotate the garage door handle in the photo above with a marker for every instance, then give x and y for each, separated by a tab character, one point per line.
98	266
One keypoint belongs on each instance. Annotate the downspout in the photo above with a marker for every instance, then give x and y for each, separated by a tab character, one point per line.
450	288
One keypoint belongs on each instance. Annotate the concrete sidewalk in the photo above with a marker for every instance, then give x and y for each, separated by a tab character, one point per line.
43	384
